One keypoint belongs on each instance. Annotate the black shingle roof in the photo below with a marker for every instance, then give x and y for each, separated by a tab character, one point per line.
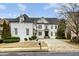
29	19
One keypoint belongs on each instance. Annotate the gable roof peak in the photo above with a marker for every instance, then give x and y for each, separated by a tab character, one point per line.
42	17
24	15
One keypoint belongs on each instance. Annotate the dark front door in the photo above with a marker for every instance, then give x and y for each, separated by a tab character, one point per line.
46	34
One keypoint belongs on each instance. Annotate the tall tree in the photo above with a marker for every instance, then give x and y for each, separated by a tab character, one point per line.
6	30
61	29
70	12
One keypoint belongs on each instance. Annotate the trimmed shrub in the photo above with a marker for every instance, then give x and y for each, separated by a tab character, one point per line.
1	41
60	37
30	38
11	40
34	37
25	39
75	39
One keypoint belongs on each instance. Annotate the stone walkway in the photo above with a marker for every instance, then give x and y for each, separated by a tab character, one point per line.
59	45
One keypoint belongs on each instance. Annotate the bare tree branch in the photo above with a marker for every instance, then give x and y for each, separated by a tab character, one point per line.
71	13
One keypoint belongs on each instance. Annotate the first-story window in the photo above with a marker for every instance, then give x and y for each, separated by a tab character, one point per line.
16	31
55	26
27	31
51	33
40	33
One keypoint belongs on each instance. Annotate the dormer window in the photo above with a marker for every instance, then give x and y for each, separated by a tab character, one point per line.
42	20
21	19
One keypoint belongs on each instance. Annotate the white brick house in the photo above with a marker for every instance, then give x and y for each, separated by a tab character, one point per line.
25	27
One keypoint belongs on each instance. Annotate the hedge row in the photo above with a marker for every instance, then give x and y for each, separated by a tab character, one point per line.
60	37
10	40
13	38
75	39
16	39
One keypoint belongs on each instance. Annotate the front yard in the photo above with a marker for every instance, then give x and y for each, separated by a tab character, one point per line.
55	45
74	44
23	46
59	45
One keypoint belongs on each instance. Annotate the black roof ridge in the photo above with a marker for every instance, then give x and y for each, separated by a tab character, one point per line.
41	17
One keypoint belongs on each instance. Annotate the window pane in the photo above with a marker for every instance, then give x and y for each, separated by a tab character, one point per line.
51	33
27	31
16	31
40	26
39	33
51	26
55	26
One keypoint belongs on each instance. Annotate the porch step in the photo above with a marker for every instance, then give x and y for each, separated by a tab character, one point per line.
46	37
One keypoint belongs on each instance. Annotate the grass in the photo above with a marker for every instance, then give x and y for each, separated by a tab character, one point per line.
75	45
22	44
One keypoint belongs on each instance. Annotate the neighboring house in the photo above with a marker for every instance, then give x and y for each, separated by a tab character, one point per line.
25	27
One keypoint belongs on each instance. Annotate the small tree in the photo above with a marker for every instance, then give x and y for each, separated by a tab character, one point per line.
6	30
61	29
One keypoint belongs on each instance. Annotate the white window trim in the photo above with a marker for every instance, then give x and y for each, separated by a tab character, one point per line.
39	26
41	33
55	26
51	26
16	31
52	33
27	32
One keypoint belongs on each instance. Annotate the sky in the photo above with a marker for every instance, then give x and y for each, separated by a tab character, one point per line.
13	10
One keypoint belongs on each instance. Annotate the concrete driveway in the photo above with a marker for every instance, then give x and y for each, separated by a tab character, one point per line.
57	45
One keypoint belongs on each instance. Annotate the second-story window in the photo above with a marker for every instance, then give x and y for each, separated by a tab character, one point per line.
51	26
46	27
16	31
40	26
